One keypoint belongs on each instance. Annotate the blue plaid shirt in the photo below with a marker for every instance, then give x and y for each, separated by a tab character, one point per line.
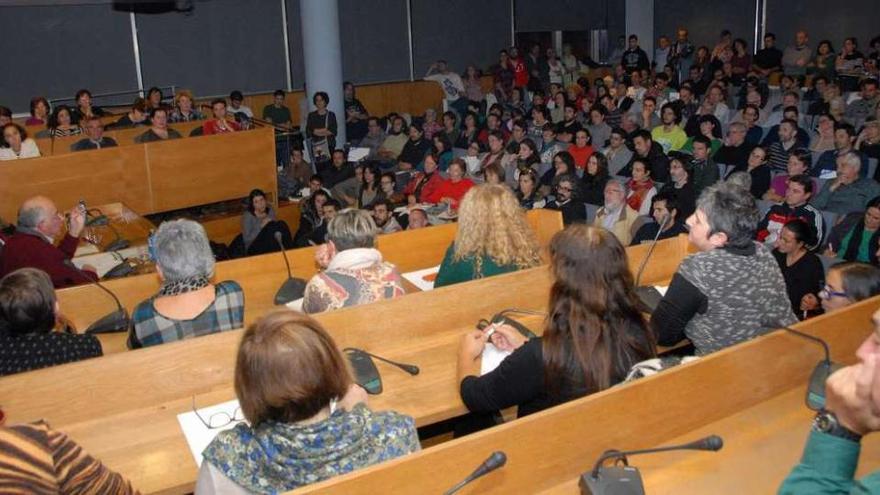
225	313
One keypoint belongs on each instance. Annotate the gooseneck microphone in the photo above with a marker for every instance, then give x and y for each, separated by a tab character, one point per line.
409	368
292	288
495	461
824	368
117	321
613	480
649	297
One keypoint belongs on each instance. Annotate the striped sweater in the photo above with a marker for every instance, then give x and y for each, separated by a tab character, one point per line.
35	460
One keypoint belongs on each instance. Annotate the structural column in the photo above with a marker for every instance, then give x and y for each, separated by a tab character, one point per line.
640	22
322	56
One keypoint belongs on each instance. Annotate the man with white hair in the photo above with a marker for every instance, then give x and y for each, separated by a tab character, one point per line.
354	272
33	244
848	192
616	215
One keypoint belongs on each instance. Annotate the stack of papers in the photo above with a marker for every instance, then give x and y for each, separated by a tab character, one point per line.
492	357
198	436
423	279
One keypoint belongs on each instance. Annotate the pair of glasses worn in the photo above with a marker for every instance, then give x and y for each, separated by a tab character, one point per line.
827	293
219	419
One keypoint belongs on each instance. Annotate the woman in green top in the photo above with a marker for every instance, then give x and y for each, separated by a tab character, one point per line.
856	244
493	237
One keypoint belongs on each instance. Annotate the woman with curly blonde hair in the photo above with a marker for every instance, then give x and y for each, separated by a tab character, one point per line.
493	237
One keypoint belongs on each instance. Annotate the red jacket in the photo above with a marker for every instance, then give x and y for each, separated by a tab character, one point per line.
28	250
211	127
427	189
449	189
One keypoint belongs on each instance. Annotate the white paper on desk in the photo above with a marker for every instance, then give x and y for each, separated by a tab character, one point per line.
662	289
103	262
198	436
423	279
492	357
358	154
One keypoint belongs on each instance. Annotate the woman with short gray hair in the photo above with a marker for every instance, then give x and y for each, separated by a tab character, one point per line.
187	304
354	272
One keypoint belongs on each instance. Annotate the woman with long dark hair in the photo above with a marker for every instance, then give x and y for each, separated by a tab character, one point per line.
593	333
801	269
370	188
259	225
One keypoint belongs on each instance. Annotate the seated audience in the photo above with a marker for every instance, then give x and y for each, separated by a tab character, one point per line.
159	130
39	111
779	151
736	150
669	134
154	98
589	322
830	458
336	172
311	216
373	139
94	129
259	226
394	142
388	189
84	107
353	271
567	199
615	215
370	189
241	113
36	457
710	128
848	192
798	164
306	419
801	269
846	283
276	112
61	123
33	243
664	209
295	176
136	116
423	186
854	237
581	149
680	184
640	188
417	219
318	236
218	123
617	153
187	304
794	207
382	214
594	179
706	301
527	192
414	150
844	142
453	188
493	237
704	172
16	144
758	170
183	107
563	164
646	149
29	311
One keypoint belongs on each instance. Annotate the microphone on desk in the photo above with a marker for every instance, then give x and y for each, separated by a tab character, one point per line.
409	368
625	479
649	296
292	288
117	321
824	368
495	461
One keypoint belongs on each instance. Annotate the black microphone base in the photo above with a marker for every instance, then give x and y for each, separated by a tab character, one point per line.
649	298
98	221
117	245
613	480
291	290
116	321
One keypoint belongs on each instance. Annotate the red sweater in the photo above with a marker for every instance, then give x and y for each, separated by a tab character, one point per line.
449	189
28	250
427	189
580	155
211	127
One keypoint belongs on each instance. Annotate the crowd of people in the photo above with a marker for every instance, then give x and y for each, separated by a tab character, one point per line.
691	140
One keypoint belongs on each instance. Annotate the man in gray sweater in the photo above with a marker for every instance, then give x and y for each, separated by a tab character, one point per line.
732	290
847	193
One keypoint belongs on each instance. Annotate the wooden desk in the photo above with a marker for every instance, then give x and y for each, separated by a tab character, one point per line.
751	394
260	276
123	137
123	408
148	178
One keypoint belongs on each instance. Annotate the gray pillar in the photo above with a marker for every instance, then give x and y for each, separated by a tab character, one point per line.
322	56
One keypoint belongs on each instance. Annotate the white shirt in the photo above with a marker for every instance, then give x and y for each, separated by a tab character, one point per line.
451	83
29	149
